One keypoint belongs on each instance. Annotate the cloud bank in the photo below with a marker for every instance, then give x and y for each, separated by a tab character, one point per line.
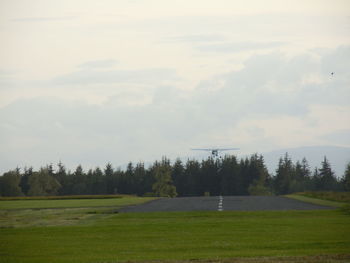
273	101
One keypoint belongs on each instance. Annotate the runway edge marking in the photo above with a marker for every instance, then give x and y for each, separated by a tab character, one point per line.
220	208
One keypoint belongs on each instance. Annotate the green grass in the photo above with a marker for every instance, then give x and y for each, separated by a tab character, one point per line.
316	201
326	198
181	236
89	230
343	197
59	197
24	213
70	203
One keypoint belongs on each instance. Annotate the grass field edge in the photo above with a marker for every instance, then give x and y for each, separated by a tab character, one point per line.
329	258
63	197
315	201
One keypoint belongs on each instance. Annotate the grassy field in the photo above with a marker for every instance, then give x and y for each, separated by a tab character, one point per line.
70	203
332	199
54	212
342	197
61	197
315	201
105	236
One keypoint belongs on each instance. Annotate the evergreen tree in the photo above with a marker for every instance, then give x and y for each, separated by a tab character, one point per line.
140	188
24	184
306	175
78	182
99	182
316	180
284	175
244	174
297	180
346	178
327	179
62	178
110	182
179	178
128	179
193	178
117	178
259	176
231	179
50	169
209	177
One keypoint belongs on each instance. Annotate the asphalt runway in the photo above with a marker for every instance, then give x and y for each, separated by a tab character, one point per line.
223	203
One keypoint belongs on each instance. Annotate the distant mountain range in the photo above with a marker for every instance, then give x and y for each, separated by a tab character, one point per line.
338	157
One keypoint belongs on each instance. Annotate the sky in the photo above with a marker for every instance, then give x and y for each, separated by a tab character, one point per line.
90	82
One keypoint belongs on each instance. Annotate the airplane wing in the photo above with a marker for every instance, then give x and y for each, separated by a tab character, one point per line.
214	149
226	149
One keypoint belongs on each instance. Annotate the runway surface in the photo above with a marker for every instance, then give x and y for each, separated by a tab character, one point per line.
223	203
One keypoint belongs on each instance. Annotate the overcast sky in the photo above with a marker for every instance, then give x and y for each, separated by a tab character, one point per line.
91	82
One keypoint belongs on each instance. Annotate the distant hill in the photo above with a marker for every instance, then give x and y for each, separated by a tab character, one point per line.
338	157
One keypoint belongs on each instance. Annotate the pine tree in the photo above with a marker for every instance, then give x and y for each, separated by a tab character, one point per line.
327	179
346	178
284	175
139	182
78	182
100	182
193	178
24	184
62	178
110	185
259	176
231	181
210	180
178	177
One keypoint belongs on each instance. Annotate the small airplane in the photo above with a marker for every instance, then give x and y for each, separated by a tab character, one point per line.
215	151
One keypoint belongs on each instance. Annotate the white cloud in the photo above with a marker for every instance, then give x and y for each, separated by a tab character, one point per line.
197	38
96	64
232	47
92	76
43	19
238	108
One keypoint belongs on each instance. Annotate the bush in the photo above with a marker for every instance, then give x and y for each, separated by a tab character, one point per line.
149	194
258	189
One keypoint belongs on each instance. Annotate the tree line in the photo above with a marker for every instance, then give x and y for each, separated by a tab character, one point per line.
212	176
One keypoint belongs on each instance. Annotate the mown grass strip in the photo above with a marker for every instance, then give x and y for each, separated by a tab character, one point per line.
316	201
33	213
73	203
61	197
328	195
308	259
